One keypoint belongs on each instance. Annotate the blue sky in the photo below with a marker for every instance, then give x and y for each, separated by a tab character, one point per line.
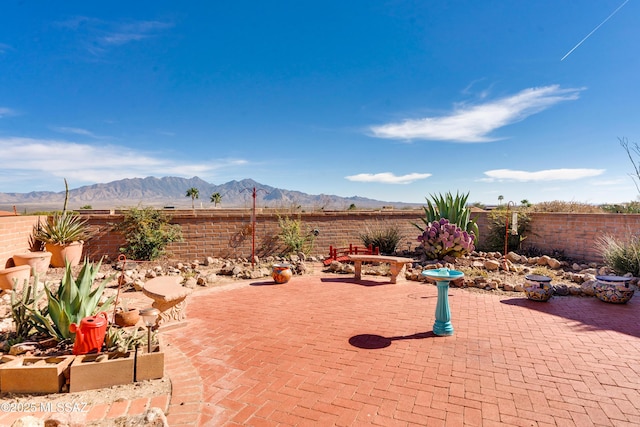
389	100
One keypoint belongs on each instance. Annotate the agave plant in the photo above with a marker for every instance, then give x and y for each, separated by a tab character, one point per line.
452	208
74	300
62	228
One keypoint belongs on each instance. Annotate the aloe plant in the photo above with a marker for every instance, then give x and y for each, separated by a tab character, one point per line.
449	207
74	300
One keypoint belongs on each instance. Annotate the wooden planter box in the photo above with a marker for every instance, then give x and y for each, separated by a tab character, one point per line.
87	374
6	360
149	366
35	374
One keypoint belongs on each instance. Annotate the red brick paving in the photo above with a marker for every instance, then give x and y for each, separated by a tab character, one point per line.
323	350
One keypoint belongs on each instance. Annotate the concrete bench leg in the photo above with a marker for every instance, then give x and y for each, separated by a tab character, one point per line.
171	312
358	267
395	270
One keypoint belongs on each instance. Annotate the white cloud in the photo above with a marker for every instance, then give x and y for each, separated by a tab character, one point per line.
388	177
94	164
75	131
100	35
542	175
474	123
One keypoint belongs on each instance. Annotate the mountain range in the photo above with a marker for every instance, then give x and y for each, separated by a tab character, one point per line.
171	191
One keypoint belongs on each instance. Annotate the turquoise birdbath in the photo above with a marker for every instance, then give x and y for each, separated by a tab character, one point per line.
443	276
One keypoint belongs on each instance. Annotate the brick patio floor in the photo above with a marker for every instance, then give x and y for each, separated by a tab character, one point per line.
323	350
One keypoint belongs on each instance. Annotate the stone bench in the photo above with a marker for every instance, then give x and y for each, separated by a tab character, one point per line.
168	296
396	263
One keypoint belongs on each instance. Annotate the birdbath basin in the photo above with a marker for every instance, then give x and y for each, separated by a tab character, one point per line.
443	274
442	326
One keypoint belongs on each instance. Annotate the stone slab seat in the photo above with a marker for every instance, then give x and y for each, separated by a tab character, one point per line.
168	296
396	263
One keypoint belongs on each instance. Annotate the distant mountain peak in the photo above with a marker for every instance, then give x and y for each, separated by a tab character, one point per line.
171	191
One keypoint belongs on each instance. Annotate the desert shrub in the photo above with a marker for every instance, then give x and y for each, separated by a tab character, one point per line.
147	232
451	208
293	237
622	256
443	238
494	241
628	208
560	206
385	238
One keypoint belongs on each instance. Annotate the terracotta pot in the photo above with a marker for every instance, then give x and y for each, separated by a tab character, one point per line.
281	273
127	318
19	273
38	261
72	252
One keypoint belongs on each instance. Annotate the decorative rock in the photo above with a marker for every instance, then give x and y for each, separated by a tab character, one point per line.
562	290
514	257
191	283
587	288
519	287
554	264
21	348
576	267
575	290
508	287
544	260
491	265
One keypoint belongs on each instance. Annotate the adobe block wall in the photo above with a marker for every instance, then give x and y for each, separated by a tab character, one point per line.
577	234
15	233
227	233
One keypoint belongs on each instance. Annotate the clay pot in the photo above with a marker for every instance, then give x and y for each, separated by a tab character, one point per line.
72	252
281	273
19	273
38	261
127	318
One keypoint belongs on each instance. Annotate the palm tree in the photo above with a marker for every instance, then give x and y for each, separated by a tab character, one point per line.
216	198
500	198
525	202
194	193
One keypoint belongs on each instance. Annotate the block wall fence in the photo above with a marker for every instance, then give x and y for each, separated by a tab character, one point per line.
227	233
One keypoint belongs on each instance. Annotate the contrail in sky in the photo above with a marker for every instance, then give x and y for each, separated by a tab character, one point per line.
595	29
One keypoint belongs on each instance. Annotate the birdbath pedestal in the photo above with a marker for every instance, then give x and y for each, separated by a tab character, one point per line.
443	276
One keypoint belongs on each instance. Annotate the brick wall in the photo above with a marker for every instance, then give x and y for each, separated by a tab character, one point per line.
228	233
15	233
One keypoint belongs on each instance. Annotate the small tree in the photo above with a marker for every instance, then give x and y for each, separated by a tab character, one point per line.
631	150
194	193
500	199
216	198
147	232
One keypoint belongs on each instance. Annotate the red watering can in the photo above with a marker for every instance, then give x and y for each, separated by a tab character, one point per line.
90	334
